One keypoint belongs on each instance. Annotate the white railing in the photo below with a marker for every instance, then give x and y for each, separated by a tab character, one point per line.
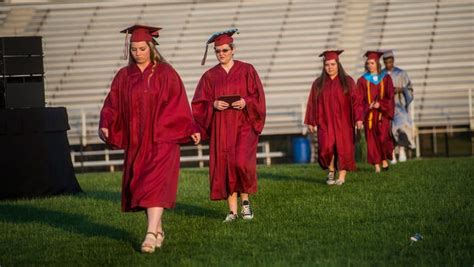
201	157
447	128
471	117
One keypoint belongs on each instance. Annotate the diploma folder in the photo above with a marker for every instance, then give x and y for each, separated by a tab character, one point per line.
229	98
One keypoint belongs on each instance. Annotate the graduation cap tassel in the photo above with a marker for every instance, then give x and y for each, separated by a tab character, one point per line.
203	61
125	49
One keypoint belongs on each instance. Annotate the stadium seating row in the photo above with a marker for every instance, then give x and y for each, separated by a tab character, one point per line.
433	41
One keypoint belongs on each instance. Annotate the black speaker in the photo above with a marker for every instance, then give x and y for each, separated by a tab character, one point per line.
24	95
21	46
21	72
29	65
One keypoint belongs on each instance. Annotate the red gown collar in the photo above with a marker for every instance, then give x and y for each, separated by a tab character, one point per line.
328	78
134	69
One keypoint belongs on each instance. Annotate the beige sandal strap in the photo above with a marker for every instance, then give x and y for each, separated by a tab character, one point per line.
147	244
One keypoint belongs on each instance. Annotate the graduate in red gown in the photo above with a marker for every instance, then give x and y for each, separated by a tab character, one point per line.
332	113
376	88
147	114
229	106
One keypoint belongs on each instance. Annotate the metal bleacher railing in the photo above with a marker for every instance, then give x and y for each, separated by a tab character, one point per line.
113	158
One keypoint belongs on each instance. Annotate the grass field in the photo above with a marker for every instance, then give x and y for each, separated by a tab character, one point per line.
299	221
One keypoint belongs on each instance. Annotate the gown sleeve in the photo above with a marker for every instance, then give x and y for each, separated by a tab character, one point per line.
175	123
202	105
387	103
111	113
407	89
357	101
311	116
362	107
255	101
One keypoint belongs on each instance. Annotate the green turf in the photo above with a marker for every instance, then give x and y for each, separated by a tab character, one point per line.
299	221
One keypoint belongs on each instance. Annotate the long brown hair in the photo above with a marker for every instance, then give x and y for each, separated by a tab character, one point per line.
155	56
342	78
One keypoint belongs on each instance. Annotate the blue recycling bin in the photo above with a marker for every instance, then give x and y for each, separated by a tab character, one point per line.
301	150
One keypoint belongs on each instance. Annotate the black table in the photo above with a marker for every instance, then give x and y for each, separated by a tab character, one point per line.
35	159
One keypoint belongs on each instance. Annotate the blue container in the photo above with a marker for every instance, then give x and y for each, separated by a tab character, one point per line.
301	150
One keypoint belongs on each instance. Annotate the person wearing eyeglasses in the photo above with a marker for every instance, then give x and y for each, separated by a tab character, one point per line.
147	114
229	107
332	113
376	88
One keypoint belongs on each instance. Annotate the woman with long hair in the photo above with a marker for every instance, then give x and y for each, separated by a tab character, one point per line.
331	113
376	88
147	114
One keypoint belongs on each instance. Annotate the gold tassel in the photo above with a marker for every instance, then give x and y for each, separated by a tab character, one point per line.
370	102
382	90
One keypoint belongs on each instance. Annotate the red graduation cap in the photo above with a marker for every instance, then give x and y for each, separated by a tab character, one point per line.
331	54
371	54
140	33
219	38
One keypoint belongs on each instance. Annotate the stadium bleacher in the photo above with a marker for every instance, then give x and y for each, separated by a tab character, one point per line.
433	41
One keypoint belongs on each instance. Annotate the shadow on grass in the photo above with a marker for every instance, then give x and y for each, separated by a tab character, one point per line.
316	179
196	211
181	208
68	222
101	195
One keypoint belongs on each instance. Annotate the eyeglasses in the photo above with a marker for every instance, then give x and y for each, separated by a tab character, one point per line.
217	51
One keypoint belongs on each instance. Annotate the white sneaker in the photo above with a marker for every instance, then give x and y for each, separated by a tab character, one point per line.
247	213
231	217
394	158
330	178
402	156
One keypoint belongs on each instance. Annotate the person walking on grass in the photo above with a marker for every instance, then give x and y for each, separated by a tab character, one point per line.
331	113
402	124
147	114
376	90
229	106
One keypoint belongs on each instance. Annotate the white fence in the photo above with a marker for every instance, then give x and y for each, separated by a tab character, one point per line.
202	156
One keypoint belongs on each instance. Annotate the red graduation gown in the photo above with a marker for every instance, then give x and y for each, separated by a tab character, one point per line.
377	123
233	133
148	115
334	113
